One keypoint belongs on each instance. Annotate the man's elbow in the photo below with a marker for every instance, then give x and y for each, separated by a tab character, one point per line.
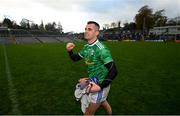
74	59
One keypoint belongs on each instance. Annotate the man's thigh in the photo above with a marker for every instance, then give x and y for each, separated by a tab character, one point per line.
92	108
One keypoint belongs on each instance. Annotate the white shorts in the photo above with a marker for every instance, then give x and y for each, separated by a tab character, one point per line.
96	97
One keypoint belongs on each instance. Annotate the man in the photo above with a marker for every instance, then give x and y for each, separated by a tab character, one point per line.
100	66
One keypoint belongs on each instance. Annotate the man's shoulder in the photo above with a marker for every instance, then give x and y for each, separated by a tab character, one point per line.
84	47
101	45
103	49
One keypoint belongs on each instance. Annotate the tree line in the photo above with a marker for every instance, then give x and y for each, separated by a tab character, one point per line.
30	25
144	20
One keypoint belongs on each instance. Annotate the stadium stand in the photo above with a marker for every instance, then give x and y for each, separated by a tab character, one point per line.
48	39
21	36
5	40
24	40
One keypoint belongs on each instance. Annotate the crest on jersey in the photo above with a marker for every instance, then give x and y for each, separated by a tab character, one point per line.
88	61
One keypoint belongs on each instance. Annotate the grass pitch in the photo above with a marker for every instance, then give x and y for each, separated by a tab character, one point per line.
44	78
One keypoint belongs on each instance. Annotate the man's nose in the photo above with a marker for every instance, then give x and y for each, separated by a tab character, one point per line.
86	32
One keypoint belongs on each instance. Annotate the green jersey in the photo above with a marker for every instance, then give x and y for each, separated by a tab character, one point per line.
96	55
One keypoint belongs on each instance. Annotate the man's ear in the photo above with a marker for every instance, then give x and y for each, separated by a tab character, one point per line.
97	33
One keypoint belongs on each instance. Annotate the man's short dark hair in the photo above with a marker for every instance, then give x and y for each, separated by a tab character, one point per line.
95	23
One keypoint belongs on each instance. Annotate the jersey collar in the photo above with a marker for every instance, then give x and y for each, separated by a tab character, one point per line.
93	42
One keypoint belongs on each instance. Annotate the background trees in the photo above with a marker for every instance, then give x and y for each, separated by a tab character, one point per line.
144	20
7	22
30	25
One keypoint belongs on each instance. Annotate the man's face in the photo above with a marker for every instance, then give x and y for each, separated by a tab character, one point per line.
91	32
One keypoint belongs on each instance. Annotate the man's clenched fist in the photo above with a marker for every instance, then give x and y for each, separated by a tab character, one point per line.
70	46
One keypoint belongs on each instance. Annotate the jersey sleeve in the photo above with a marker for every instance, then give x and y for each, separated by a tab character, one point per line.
106	55
81	52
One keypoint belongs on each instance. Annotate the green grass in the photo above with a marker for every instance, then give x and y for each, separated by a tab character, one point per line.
44	78
5	106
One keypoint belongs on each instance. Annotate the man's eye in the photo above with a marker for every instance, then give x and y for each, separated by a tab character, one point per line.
89	29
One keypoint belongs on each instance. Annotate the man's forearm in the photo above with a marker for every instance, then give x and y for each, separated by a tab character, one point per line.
110	76
74	57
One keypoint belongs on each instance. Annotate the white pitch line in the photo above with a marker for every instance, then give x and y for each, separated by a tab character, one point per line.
12	90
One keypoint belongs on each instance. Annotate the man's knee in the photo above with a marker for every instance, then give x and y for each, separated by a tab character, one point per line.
107	107
92	108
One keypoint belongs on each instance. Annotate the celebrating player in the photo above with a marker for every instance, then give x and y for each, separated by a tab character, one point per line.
100	66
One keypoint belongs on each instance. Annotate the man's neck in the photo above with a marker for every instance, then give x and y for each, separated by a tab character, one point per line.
92	41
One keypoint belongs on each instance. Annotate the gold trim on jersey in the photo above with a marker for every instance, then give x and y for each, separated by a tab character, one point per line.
88	61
